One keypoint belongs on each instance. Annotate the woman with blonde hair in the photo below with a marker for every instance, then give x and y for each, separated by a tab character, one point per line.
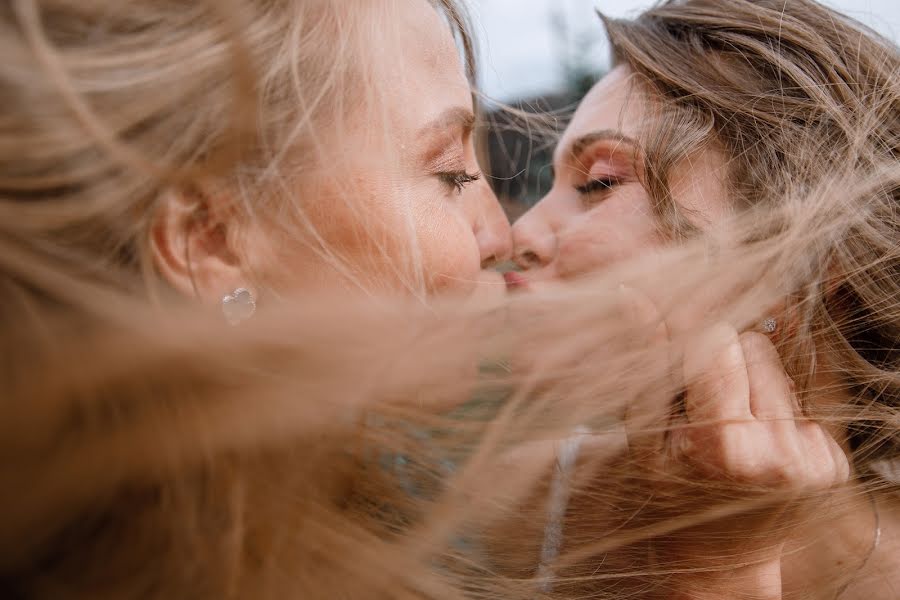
168	167
777	125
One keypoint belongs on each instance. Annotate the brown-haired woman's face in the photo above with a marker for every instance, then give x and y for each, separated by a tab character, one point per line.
598	212
410	207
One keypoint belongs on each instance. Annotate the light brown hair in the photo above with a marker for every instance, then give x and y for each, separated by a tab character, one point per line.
804	103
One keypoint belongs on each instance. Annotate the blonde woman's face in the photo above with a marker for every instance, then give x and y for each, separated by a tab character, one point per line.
408	209
597	212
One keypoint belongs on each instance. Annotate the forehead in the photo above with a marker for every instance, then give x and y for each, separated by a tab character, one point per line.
425	74
613	104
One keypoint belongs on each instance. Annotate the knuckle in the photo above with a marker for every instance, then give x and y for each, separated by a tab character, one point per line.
821	478
745	461
790	473
843	471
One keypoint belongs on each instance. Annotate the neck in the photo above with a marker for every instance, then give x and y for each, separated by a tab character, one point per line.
834	554
848	549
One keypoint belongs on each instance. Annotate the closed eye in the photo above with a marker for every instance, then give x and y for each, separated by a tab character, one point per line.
600	184
458	180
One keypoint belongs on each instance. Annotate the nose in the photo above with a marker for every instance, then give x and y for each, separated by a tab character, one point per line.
534	241
492	231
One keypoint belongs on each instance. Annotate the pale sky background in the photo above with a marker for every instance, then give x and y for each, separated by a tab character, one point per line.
522	57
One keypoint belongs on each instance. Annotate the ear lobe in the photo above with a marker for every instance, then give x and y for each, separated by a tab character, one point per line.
191	246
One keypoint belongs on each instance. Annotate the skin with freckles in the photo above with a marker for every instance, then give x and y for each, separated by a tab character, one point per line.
395	205
433	191
416	199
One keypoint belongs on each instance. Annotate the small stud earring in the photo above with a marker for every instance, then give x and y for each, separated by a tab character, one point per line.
769	325
238	306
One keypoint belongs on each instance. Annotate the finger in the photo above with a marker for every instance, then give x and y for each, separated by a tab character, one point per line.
770	389
826	462
841	460
717	387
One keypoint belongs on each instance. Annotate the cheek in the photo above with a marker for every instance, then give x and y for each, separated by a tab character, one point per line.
349	237
698	185
617	229
385	239
451	261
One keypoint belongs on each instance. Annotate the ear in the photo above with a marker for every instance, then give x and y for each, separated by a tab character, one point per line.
193	239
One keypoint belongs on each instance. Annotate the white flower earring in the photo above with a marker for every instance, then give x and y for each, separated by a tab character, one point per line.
769	325
238	306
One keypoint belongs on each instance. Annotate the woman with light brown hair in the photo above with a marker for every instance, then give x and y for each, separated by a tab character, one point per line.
168	167
782	116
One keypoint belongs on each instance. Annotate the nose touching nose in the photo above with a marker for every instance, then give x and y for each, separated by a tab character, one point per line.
533	241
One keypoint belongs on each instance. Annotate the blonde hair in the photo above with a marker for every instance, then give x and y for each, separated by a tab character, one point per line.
113	109
339	449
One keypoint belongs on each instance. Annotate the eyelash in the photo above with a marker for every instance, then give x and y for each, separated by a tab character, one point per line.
601	184
458	180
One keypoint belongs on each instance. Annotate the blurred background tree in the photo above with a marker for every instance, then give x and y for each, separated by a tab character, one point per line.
521	135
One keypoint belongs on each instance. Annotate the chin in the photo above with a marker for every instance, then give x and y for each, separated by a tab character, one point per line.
489	288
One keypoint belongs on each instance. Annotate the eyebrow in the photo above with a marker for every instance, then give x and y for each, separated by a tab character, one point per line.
582	143
456	121
457	117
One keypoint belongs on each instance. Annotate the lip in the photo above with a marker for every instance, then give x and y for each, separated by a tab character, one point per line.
515	281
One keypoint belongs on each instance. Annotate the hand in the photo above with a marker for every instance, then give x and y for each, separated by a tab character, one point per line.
724	471
743	422
748	460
